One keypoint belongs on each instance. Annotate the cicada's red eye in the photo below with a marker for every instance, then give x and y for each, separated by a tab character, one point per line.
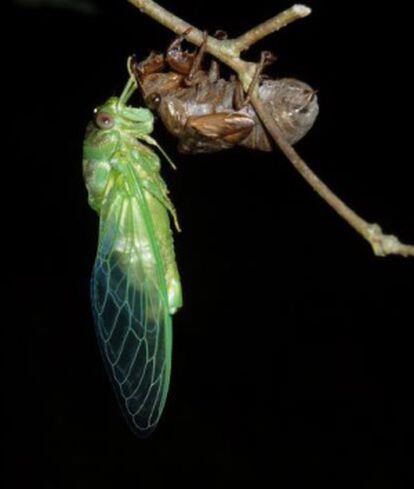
104	120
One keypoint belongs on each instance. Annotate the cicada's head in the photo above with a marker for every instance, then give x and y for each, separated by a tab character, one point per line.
112	121
114	115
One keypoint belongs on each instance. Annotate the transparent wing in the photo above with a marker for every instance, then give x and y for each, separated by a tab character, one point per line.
130	306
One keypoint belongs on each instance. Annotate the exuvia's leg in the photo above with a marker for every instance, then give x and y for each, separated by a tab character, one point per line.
240	100
195	68
214	132
179	60
154	63
189	64
214	72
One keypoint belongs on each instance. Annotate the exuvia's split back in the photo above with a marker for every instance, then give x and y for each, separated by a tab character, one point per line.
135	285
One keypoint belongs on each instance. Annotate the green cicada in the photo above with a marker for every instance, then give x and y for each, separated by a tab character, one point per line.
135	286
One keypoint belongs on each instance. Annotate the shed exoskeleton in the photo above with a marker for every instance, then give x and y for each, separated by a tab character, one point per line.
208	113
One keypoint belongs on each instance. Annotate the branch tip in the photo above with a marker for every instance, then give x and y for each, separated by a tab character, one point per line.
301	10
386	244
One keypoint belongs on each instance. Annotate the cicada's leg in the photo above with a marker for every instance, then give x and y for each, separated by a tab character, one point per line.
241	100
214	132
172	278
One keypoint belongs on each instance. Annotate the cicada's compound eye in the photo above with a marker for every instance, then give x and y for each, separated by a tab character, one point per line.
104	120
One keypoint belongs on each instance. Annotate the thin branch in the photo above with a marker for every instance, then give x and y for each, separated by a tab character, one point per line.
228	51
382	244
168	19
274	24
222	50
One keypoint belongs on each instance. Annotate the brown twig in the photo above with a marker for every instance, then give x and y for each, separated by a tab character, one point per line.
228	51
382	244
274	24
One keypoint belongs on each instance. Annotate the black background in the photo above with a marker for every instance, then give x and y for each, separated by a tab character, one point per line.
292	362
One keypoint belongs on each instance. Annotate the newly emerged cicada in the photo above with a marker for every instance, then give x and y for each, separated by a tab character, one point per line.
135	286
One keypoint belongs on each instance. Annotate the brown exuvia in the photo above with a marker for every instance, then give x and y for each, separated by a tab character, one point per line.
208	113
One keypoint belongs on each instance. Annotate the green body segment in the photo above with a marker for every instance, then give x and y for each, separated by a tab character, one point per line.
135	284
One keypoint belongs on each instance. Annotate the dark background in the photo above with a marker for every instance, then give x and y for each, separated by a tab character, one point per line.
293	359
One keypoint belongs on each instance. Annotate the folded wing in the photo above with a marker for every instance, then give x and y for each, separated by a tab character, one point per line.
131	308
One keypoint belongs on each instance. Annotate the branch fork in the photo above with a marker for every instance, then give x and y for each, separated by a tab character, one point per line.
228	52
